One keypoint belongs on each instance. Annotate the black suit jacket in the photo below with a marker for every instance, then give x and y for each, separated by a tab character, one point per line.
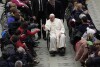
58	10
35	6
64	3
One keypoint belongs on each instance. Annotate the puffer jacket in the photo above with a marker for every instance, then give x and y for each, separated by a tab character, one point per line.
19	3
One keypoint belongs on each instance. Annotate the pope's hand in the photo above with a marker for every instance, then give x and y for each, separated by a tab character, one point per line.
43	26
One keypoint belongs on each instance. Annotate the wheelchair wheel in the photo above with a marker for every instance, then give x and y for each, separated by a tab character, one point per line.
48	40
48	44
3	20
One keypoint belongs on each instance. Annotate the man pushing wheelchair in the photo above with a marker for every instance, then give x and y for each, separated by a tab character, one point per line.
57	35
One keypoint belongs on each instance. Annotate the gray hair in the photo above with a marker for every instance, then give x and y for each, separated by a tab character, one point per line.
18	63
51	15
21	50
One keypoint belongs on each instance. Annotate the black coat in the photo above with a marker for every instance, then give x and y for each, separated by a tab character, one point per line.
35	6
64	3
58	10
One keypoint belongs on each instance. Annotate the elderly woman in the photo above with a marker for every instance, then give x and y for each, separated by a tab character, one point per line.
87	39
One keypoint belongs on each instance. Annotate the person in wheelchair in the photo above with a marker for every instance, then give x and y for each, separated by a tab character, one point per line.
57	35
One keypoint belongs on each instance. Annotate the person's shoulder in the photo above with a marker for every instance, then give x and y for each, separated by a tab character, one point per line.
48	21
57	19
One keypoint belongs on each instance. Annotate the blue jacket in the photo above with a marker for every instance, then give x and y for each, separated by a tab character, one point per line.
10	20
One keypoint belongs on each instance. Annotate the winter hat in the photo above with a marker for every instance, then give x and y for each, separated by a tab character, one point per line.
72	22
21	50
90	31
82	15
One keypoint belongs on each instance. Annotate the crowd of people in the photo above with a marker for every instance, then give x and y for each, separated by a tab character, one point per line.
25	18
83	35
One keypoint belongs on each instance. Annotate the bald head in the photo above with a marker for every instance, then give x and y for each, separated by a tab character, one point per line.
51	17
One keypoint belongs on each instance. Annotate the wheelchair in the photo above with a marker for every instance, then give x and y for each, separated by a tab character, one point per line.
48	39
60	51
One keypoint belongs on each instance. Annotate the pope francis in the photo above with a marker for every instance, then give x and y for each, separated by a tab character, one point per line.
57	34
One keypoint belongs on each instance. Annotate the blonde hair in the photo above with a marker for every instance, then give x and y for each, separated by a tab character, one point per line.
90	36
79	6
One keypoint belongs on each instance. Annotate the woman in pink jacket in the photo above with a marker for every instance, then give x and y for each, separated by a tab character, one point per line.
20	3
24	6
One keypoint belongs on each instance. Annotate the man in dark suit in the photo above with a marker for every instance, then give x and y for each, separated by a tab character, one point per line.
64	4
55	7
38	8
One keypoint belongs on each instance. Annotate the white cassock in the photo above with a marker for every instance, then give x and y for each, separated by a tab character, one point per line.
57	34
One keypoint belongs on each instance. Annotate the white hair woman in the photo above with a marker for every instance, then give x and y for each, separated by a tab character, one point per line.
21	50
18	63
